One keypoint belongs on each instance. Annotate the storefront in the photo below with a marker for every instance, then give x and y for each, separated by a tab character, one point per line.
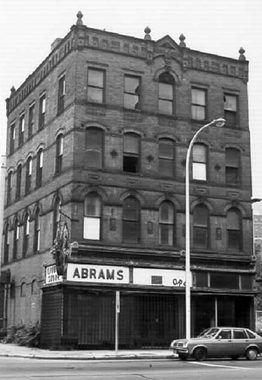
80	310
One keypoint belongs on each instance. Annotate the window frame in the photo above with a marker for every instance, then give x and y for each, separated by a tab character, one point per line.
198	226
39	167
134	157
12	137
42	111
37	231
26	234
18	181
15	239
234	234
198	106
127	222
9	188
166	79
61	94
6	243
99	150
196	163
28	178
93	218
237	168
59	153
136	94
162	224
163	159
233	114
21	129
31	119
93	87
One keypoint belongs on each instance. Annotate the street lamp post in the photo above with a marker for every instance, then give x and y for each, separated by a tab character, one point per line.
219	123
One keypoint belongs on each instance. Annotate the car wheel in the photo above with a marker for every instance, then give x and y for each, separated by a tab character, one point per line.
200	354
251	353
182	357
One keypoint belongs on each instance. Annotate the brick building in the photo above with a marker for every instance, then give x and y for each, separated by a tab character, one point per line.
97	141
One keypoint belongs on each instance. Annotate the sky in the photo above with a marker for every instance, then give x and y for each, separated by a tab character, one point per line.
28	27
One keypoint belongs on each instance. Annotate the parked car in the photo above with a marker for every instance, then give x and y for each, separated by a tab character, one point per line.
219	342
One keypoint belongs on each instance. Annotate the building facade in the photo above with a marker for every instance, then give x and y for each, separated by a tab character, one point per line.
94	218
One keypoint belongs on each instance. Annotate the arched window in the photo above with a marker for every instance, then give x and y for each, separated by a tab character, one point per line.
200	226
6	244
56	216
37	232
166	157
34	287
18	181
39	168
92	216
59	153
23	289
9	188
131	156
166	93
26	234
94	147
199	169
131	220
234	235
28	179
166	223
232	166
16	237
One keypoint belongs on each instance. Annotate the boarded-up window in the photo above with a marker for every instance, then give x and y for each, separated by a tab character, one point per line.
94	147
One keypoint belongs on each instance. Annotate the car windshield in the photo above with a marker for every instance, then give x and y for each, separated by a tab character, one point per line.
209	332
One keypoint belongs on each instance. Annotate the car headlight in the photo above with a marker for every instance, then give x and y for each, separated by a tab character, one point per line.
185	344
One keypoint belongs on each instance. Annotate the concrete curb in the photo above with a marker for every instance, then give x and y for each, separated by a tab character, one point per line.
89	357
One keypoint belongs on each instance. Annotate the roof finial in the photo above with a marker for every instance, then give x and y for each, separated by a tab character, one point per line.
242	56
79	18
182	40
147	33
12	89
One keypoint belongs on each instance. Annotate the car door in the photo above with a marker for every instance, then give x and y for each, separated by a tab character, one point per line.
240	342
222	343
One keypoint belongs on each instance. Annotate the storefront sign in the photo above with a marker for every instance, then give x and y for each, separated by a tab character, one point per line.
51	275
159	277
97	273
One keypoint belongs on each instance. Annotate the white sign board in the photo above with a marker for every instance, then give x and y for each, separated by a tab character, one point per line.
97	273
51	275
161	277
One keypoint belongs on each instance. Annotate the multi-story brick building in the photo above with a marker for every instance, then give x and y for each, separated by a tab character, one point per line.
97	141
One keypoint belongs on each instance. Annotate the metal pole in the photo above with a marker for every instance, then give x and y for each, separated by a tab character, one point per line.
219	122
117	319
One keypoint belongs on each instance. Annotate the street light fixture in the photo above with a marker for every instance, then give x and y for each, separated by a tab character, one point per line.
219	123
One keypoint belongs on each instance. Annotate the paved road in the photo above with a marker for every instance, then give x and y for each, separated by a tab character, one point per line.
32	369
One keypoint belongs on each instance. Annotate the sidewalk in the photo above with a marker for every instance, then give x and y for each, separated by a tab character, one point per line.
13	350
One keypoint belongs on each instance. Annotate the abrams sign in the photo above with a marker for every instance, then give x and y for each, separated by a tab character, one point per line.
97	273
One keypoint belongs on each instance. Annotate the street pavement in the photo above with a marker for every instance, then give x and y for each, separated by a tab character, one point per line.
13	350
